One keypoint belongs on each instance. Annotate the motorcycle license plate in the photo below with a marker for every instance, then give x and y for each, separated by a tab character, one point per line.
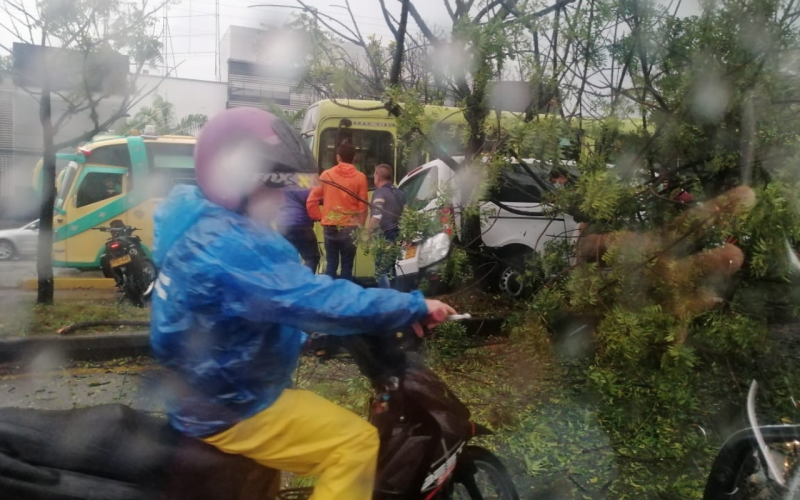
121	261
411	252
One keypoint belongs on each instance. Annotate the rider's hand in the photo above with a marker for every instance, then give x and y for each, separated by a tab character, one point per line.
437	312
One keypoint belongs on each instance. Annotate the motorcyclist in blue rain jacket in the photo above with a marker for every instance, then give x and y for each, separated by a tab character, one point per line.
233	299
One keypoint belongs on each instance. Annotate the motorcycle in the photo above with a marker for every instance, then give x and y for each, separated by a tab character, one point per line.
124	260
759	463
115	453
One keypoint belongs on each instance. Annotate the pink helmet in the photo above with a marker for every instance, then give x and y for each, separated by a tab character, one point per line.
242	149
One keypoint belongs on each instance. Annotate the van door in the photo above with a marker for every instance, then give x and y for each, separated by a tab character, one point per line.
97	198
514	212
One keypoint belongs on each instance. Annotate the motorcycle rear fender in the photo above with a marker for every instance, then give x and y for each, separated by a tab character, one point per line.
721	481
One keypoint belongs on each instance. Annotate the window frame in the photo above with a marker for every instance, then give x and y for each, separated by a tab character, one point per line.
99	169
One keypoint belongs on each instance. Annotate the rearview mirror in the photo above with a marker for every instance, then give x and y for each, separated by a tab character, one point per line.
433	250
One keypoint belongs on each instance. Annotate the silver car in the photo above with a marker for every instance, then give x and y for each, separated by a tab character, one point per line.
20	241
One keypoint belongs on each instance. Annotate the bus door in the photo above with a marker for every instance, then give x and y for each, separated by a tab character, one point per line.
373	147
97	198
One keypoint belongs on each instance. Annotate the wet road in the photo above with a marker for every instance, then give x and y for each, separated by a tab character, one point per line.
133	383
14	272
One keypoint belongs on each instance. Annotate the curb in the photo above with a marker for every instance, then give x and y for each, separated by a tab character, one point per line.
76	347
73	284
105	347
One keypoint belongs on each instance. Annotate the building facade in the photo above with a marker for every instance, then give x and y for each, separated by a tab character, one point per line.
264	67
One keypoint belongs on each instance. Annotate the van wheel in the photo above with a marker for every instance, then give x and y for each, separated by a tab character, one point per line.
511	282
511	278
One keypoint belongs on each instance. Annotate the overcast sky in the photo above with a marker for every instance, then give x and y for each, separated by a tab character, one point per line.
191	25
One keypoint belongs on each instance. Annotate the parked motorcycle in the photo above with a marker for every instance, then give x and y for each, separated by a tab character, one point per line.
759	463
125	260
115	453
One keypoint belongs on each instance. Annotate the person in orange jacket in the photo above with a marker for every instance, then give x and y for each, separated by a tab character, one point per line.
340	203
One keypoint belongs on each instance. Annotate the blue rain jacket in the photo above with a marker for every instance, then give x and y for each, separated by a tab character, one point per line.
229	306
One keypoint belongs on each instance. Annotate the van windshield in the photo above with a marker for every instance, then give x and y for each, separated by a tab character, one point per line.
66	184
422	188
515	184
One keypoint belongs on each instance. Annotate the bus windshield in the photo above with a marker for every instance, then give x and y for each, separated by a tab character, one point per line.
66	184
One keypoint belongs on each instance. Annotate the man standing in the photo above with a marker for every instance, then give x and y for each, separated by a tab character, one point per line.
387	206
343	196
296	226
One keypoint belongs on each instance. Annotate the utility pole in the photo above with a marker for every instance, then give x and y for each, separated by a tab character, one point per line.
217	71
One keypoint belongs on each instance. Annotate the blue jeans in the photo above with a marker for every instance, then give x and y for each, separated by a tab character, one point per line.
385	270
339	245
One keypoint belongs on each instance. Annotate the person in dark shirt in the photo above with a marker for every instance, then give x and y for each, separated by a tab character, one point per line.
387	206
296	226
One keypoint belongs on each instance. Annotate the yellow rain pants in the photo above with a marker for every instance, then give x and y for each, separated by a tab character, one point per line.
308	435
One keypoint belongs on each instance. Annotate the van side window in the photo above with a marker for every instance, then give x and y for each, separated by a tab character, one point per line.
115	155
98	186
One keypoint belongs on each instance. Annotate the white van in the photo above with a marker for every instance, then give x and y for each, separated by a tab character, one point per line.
513	225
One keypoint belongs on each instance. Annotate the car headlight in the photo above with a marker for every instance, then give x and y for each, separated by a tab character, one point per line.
433	250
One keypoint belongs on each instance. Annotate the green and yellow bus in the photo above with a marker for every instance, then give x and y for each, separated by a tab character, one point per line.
141	170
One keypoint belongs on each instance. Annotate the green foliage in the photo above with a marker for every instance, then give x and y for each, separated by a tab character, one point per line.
457	268
161	114
418	224
450	340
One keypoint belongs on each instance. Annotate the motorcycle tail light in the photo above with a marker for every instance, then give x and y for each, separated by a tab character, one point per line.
115	246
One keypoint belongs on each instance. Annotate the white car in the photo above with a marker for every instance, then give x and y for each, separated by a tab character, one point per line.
513	225
20	241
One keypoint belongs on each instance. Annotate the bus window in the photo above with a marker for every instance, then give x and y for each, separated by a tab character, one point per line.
115	155
98	186
449	138
66	184
373	147
170	164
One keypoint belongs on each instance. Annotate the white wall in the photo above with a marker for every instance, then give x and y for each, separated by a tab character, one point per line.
187	96
16	164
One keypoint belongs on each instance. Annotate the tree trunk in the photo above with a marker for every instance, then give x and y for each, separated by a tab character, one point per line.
44	261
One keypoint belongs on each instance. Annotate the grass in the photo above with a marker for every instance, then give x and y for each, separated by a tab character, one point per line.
516	387
20	316
547	422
